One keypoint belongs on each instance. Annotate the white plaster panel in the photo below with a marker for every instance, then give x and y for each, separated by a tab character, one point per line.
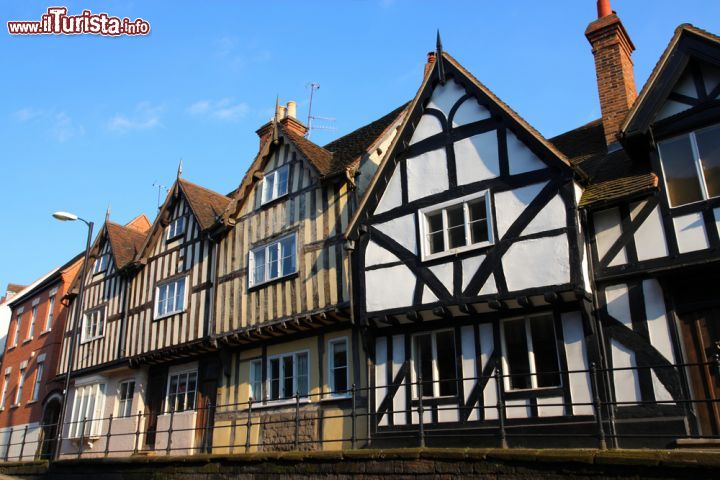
487	345
711	77
377	255
489	288
476	158
428	296
427	415
657	320
510	204
445	96
398	358
627	386
517	408
670	108
550	406
402	230
650	236
381	374
427	174
661	393
520	157
387	288
618	304
470	111
686	85
537	262
551	216
392	196
444	273
690	232
428	126
607	230
183	432
576	356
448	413
469	267
469	366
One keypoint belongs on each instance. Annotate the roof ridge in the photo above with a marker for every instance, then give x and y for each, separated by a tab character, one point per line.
182	180
394	111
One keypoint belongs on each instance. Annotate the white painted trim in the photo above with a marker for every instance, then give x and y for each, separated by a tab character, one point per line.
294	354
156	315
265	247
331	366
435	372
275	194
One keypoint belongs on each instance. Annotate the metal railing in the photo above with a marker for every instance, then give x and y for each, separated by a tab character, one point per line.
358	418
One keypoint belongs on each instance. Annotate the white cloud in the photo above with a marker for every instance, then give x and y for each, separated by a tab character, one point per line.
63	128
145	117
224	109
26	114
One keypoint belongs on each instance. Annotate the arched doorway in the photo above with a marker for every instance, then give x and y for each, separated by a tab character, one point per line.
50	419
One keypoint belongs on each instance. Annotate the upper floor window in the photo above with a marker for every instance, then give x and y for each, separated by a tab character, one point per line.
101	264
3	396
170	298
433	359
16	336
21	384
530	353
50	313
456	226
274	260
338	366
38	381
127	390
176	228
181	392
691	166
31	327
275	184
288	374
93	324
87	410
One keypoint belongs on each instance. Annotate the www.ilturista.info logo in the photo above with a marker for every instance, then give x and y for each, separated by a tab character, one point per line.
57	22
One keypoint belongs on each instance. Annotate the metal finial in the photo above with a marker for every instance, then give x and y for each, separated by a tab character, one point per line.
439	58
107	213
179	172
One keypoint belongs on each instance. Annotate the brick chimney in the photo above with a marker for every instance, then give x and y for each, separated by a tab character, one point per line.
612	49
286	115
429	64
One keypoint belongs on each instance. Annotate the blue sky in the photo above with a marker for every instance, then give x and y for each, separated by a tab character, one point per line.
87	122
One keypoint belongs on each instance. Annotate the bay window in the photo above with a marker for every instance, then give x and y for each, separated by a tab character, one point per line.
274	260
530	355
433	361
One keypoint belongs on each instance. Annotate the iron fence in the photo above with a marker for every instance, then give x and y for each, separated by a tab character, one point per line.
295	422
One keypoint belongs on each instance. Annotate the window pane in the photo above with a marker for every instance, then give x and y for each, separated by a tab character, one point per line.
435	232
256	374
259	260
517	353
456	226
478	221
191	389
180	295
446	363
542	332
268	183
288	389
282	181
275	378
302	372
288	255
423	363
708	142
273	260
680	173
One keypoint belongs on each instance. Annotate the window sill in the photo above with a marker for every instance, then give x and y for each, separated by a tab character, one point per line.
274	280
273	200
15	405
280	403
335	397
90	340
31	402
456	251
46	332
166	315
27	340
174	237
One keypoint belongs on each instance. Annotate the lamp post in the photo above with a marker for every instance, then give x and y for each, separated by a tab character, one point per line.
69	217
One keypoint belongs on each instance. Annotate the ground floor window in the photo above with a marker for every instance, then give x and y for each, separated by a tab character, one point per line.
530	353
434	361
182	388
127	390
288	374
87	410
256	380
338	366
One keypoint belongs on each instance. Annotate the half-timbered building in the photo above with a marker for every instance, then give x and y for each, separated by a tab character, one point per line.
283	307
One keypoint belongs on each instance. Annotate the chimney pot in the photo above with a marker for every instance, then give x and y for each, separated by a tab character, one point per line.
603	8
292	109
430	62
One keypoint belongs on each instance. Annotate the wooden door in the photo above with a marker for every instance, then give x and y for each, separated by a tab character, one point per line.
208	375
156	390
701	338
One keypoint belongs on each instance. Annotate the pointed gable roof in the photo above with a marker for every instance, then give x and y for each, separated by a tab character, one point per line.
688	42
125	243
446	66
207	205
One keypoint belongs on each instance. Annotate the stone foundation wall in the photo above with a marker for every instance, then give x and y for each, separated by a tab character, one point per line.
278	431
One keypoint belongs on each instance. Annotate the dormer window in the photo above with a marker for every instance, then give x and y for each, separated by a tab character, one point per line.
456	226
101	264
275	184
691	166
176	228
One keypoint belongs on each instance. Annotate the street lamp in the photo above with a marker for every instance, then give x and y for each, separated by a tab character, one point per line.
70	217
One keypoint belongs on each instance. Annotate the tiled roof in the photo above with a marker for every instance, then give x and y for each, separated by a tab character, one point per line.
318	157
14	287
125	243
207	205
611	175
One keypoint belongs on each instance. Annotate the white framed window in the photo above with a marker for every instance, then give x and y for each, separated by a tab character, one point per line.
338	371
88	407
288	373
530	355
50	314
93	324
31	327
38	381
176	228
181	392
3	397
256	380
16	336
170	297
21	385
691	166
434	361
274	184
126	391
273	260
101	264
456	226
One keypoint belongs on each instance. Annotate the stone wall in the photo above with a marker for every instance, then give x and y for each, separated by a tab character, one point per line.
278	431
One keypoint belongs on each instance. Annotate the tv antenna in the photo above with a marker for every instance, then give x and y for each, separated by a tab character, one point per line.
159	187
311	118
